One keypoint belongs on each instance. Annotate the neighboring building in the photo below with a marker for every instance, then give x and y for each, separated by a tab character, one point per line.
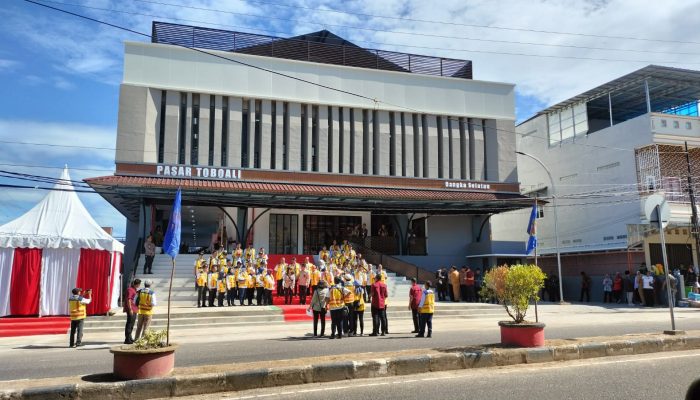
608	149
291	166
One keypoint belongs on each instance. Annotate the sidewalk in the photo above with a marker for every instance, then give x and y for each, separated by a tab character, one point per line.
244	376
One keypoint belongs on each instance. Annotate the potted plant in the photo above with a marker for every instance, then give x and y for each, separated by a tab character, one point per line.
148	357
514	287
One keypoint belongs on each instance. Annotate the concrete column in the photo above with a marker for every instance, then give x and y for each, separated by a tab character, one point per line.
203	153
410	151
399	144
235	128
505	139
356	137
279	135
476	150
367	144
431	154
251	133
384	149
463	149
455	153
172	122
266	135
323	142
309	137
417	145
444	148
152	126
336	158
218	126
294	143
346	138
188	130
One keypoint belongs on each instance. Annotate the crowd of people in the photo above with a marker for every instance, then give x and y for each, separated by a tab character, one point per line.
342	284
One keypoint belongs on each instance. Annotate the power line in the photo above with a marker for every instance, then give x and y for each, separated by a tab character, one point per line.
51	167
384	31
495	27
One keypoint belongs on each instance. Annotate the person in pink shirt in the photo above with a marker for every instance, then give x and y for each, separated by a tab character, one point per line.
414	295
131	310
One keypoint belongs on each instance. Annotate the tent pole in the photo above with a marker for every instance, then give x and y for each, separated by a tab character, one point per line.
170	290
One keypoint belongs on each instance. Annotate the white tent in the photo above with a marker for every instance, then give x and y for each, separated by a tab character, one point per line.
60	230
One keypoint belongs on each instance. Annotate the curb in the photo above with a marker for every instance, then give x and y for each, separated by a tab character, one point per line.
345	370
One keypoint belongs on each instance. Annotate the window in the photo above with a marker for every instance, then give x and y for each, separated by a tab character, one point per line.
314	138
245	135
258	134
392	144
273	138
161	127
608	237
568	177
285	135
622	236
304	136
322	230
212	120
663	123
194	149
675	125
283	234
688	125
224	131
341	140
182	134
609	166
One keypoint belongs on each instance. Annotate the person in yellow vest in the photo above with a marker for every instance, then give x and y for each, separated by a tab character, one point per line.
326	276
238	253
346	247
296	268
349	299
212	284
262	256
231	290
269	287
303	280
324	255
315	277
146	300
336	305
221	290
202	292
242	280
380	271
426	308
198	264
260	286
280	270
359	307
77	304
250	253
250	293
361	277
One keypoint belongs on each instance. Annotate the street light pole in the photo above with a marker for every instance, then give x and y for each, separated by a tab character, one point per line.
556	222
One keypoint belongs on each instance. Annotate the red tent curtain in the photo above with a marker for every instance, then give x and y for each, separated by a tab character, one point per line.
25	282
94	273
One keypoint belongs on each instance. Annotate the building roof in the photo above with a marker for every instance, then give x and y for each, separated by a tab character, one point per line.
668	87
319	47
127	192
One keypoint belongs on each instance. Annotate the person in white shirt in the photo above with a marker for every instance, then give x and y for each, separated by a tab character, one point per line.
648	286
303	282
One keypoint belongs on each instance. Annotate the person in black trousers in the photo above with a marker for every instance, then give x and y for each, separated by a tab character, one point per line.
319	300
585	287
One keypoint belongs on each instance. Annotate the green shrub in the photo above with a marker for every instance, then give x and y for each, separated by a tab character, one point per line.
514	287
151	340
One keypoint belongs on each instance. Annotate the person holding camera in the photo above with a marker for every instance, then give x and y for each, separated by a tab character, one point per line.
145	300
77	305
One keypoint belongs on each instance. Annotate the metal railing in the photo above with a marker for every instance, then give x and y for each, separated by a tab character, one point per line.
395	265
306	50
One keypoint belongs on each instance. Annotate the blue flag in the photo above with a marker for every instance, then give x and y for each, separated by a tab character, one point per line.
532	231
171	242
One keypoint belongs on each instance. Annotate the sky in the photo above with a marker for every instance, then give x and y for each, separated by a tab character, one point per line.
60	74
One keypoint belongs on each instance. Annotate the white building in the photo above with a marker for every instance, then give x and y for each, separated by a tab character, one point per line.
608	149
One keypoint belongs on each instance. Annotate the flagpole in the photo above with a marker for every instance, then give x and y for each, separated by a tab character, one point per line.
170	290
537	317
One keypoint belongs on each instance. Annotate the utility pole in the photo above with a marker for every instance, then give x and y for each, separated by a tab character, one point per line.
695	229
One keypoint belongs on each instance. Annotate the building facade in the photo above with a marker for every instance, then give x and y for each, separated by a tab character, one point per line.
291	143
608	149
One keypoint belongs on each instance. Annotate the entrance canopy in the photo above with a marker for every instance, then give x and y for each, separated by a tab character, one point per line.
133	183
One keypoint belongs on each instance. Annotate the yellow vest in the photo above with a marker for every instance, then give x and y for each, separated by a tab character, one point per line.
428	303
78	310
243	279
251	281
269	282
145	302
335	298
238	253
201	279
279	271
361	304
222	286
350	296
315	278
213	277
230	281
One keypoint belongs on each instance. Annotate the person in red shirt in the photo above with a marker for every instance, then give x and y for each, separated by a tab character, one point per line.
414	295
469	282
379	294
131	310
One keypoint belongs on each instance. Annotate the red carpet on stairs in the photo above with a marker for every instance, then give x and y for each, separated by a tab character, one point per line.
34	326
294	312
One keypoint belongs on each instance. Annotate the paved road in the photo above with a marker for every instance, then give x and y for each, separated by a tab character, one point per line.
651	376
45	357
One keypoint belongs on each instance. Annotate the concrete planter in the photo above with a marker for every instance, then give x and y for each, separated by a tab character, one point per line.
130	363
528	334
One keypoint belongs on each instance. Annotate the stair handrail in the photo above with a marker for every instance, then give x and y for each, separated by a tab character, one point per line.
396	265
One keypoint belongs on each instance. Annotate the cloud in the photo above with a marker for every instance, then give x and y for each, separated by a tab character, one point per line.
6	64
